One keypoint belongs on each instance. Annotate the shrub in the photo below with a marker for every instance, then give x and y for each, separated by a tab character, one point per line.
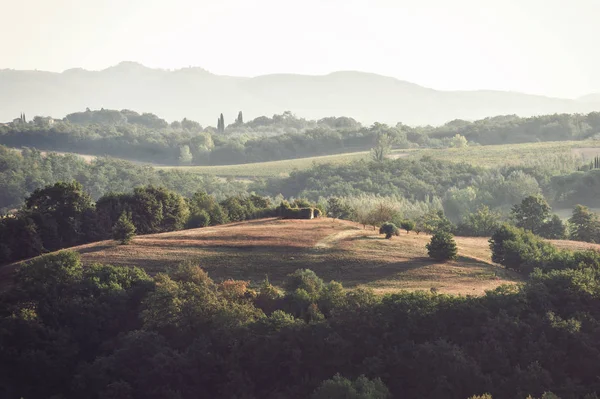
389	229
123	230
200	219
442	246
522	251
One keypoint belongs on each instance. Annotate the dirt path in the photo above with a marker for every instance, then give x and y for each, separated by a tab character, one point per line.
332	239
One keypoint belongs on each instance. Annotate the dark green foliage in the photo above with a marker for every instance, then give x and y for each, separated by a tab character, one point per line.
198	219
503	234
554	228
19	239
58	212
156	209
62	215
234	210
442	246
389	229
584	225
123	230
112	332
522	251
342	388
407	225
202	202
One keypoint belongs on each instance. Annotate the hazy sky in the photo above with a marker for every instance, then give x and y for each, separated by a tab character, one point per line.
536	46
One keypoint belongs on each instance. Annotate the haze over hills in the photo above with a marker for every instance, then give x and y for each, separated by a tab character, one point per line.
200	95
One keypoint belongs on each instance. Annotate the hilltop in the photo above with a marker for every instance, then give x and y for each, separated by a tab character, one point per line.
335	250
200	95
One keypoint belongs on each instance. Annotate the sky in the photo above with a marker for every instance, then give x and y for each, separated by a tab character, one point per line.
546	47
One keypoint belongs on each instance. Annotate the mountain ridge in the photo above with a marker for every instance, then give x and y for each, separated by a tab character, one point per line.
201	95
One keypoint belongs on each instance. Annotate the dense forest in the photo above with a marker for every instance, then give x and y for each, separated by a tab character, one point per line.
146	137
115	332
460	188
22	173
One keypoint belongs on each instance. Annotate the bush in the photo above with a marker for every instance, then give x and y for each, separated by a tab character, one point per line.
523	251
200	219
442	246
123	230
389	229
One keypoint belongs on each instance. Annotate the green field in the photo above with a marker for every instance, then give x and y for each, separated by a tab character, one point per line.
269	169
568	154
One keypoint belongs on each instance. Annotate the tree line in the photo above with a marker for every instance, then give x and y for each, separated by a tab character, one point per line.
146	137
63	215
22	173
459	188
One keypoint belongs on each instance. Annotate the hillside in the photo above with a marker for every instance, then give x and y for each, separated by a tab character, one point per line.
200	95
335	250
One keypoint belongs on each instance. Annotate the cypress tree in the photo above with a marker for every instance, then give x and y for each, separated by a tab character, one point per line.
240	118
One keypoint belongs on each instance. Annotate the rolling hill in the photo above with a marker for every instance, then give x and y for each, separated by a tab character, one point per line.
335	250
200	95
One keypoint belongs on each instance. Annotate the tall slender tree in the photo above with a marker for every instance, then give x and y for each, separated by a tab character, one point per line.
240	118
221	124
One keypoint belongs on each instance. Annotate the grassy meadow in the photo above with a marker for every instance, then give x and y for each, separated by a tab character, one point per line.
565	153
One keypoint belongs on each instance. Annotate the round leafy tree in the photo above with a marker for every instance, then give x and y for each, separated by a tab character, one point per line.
389	229
442	246
123	230
407	225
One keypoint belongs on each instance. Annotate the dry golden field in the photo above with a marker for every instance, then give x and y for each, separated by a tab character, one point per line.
335	250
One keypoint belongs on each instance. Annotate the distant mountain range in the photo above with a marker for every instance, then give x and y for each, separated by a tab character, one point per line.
200	95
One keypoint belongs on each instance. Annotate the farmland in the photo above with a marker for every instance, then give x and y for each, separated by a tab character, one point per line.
566	153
